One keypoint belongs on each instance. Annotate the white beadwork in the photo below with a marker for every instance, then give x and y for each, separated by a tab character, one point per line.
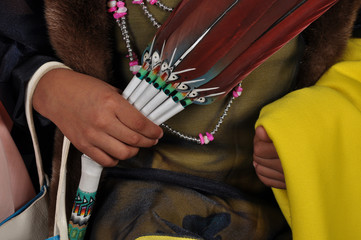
214	131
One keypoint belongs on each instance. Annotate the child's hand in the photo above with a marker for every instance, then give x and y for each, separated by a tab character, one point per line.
94	116
266	161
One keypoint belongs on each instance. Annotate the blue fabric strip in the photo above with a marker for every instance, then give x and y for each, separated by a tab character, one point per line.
57	237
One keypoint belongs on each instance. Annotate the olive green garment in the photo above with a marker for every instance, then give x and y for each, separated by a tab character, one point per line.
229	157
132	208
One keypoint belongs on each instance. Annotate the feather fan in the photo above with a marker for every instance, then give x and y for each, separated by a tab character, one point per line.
204	50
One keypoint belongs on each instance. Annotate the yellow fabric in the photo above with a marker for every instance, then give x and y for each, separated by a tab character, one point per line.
157	237
317	133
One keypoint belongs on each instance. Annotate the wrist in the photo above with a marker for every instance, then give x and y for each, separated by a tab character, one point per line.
42	83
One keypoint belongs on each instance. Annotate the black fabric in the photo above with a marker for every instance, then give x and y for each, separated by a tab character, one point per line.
357	27
23	21
24	47
206	186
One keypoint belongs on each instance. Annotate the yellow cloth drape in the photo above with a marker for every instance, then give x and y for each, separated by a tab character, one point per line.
317	134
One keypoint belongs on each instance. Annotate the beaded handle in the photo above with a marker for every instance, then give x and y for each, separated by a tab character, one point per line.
85	198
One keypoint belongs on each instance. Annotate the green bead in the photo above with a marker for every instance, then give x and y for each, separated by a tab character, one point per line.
178	97
168	89
159	83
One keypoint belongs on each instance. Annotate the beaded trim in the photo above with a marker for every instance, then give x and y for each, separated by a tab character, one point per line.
208	137
117	7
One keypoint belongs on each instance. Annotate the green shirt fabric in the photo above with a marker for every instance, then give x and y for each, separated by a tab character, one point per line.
229	157
139	206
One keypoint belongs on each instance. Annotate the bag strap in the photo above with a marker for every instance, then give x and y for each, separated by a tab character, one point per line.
29	118
29	113
60	222
60	225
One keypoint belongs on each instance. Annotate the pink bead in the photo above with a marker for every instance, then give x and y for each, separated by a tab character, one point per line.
137	1
133	63
153	2
239	89
201	138
119	15
122	10
235	94
209	136
112	9
120	4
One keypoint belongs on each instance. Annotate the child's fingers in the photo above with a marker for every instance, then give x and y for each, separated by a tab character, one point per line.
273	163
270	177
266	161
265	150
262	145
269	172
272	182
262	135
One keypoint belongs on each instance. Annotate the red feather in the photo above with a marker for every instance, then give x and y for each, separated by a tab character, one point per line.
218	44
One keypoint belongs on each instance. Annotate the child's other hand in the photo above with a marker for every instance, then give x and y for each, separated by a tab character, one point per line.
94	116
266	161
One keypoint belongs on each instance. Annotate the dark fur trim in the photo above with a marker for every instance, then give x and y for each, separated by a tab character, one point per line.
326	39
79	31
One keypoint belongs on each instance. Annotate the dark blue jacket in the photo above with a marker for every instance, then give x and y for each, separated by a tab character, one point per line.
24	47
